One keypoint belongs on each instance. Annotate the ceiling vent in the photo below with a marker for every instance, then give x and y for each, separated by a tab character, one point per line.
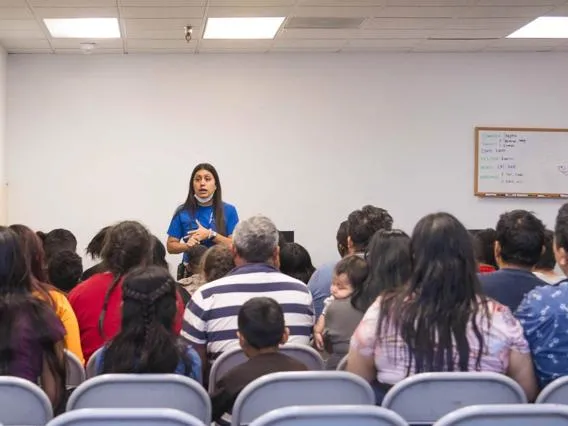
306	23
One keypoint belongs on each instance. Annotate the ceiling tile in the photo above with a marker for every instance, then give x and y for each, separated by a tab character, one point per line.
450	46
30	34
559	11
406	23
25	44
222	12
160	24
29	51
504	12
290	44
76	12
14	12
175	34
94	52
234	45
18	25
352	3
160	51
163	3
515	45
67	43
517	3
470	34
161	12
430	3
13	3
256	3
384	45
73	3
509	24
420	12
161	44
354	34
330	11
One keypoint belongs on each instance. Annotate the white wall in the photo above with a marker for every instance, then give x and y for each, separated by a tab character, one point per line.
3	188
304	139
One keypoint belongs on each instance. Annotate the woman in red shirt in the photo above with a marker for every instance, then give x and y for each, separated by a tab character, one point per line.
97	301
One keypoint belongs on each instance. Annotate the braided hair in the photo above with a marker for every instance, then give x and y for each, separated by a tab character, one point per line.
146	342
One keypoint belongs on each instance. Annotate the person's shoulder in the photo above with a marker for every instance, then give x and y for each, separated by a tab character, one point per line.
292	363
556	294
229	207
92	284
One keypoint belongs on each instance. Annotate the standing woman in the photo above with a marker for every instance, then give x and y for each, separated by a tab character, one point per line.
204	218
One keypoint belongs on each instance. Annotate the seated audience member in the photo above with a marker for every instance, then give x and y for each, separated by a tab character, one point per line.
296	262
320	281
57	240
35	259
543	314
31	335
217	262
194	278
390	264
484	246
64	270
339	319
261	330
544	269
441	320
146	342
97	300
159	253
210	319
519	244
361	226
94	250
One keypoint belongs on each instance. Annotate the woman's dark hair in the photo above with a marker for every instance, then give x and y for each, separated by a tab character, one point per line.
341	238
195	260
127	245
17	300
159	253
218	261
388	257
95	246
484	246
57	240
443	299
146	342
35	260
296	262
191	203
65	270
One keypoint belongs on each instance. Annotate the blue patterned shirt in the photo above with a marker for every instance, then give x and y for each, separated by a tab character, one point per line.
543	313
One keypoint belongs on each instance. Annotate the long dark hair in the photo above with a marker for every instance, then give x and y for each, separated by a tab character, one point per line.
191	203
442	299
127	245
146	342
36	261
17	300
388	257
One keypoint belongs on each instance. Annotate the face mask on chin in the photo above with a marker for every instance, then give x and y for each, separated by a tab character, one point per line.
205	200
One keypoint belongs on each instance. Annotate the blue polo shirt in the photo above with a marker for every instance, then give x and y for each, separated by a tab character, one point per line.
183	222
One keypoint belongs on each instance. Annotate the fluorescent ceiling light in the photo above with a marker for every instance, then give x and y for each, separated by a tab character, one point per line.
544	27
83	28
242	28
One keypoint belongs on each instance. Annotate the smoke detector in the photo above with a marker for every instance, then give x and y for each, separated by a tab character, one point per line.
88	48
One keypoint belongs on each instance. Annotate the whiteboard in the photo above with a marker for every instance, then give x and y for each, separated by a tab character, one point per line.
517	162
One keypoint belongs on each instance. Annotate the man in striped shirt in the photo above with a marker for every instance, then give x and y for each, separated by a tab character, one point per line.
210	318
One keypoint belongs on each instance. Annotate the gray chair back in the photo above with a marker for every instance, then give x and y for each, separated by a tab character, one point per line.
338	415
91	368
75	370
126	417
23	403
426	397
230	359
507	415
278	390
342	366
555	392
143	391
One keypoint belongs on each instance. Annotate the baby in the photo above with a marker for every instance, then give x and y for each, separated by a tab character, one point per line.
339	319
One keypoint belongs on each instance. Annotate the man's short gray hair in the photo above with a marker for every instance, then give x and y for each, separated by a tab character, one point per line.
255	239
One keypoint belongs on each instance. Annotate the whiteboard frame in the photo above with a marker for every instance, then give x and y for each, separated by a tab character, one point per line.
476	191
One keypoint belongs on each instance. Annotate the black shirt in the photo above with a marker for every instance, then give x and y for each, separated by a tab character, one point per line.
509	286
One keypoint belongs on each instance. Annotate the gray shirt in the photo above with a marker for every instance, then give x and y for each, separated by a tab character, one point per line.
341	320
